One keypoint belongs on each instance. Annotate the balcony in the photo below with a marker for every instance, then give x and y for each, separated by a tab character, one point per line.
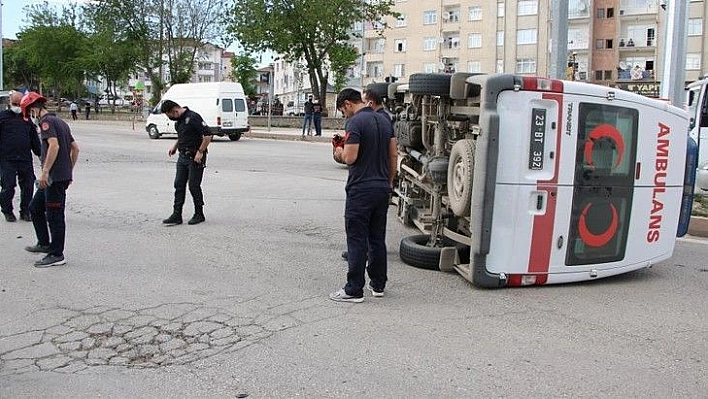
628	43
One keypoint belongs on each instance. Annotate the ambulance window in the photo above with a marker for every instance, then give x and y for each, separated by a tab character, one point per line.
599	225
227	105
240	105
607	137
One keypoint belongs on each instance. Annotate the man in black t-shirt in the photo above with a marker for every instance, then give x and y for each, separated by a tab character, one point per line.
370	151
58	156
193	138
307	124
317	117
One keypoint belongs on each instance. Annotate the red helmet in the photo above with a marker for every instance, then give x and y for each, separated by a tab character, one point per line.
29	99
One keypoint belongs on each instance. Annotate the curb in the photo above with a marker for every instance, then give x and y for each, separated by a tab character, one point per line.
698	226
285	136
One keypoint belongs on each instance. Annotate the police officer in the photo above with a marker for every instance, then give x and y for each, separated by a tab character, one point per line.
370	151
18	140
59	155
193	138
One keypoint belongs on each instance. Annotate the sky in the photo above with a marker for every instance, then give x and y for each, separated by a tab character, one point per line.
13	15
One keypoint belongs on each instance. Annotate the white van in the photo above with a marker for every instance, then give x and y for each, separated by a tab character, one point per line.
222	105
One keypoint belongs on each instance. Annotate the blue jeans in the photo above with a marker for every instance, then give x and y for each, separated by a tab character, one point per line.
190	172
14	172
307	125
47	210
365	224
318	124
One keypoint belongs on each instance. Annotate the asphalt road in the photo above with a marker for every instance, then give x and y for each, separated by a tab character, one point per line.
238	305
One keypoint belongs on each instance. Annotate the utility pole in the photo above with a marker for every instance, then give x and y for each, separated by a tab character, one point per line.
673	74
559	40
2	71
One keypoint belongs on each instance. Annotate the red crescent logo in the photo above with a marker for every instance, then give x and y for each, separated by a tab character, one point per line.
597	240
602	131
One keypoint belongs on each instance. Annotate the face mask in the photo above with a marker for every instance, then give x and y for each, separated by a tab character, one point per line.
16	109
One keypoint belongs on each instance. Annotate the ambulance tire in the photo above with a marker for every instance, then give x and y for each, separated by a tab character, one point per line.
235	136
153	133
459	177
414	252
436	84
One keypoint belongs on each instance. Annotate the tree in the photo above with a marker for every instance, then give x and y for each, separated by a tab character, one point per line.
244	72
318	32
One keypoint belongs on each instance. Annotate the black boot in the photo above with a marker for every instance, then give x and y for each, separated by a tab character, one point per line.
175	217
198	216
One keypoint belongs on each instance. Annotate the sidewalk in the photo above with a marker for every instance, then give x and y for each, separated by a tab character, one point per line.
294	134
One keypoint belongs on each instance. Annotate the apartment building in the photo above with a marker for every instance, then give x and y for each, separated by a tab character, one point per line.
610	42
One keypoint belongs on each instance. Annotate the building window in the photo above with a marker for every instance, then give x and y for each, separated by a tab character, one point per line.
474	67
695	27
375	69
399	45
452	42
500	9
430	67
399	70
430	17
527	7
600	13
693	61
475	13
610	13
500	38
608	75
599	44
525	65
526	36
500	66
608	43
474	40
429	43
451	16
401	21
598	75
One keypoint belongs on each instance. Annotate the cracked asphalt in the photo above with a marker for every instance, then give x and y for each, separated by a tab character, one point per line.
237	306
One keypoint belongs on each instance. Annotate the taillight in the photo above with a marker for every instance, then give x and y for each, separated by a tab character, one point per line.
218	121
535	83
520	280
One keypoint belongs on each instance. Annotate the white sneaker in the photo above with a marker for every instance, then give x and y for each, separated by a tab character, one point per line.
378	294
342	296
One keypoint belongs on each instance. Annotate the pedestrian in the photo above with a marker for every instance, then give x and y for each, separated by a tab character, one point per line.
88	110
74	108
317	117
307	125
18	140
374	99
193	138
58	157
370	151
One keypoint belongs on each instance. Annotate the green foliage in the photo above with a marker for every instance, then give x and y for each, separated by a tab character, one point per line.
244	72
317	32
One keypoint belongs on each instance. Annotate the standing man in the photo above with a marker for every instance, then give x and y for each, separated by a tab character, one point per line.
307	125
317	117
88	110
370	151
193	138
18	140
59	155
374	100
74	108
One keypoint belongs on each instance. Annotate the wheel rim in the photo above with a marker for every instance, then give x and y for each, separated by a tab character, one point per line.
458	178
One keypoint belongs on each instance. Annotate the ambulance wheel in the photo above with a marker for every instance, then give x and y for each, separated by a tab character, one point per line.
235	136
459	177
380	88
415	252
436	84
153	132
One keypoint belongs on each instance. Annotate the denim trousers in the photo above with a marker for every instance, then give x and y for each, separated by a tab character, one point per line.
190	172
317	119
365	224
307	124
16	172
47	210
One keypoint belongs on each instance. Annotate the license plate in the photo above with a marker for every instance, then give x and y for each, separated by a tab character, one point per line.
538	138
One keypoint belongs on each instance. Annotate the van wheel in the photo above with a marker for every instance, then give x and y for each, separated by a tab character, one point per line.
459	177
235	136
414	251
153	132
436	84
379	88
